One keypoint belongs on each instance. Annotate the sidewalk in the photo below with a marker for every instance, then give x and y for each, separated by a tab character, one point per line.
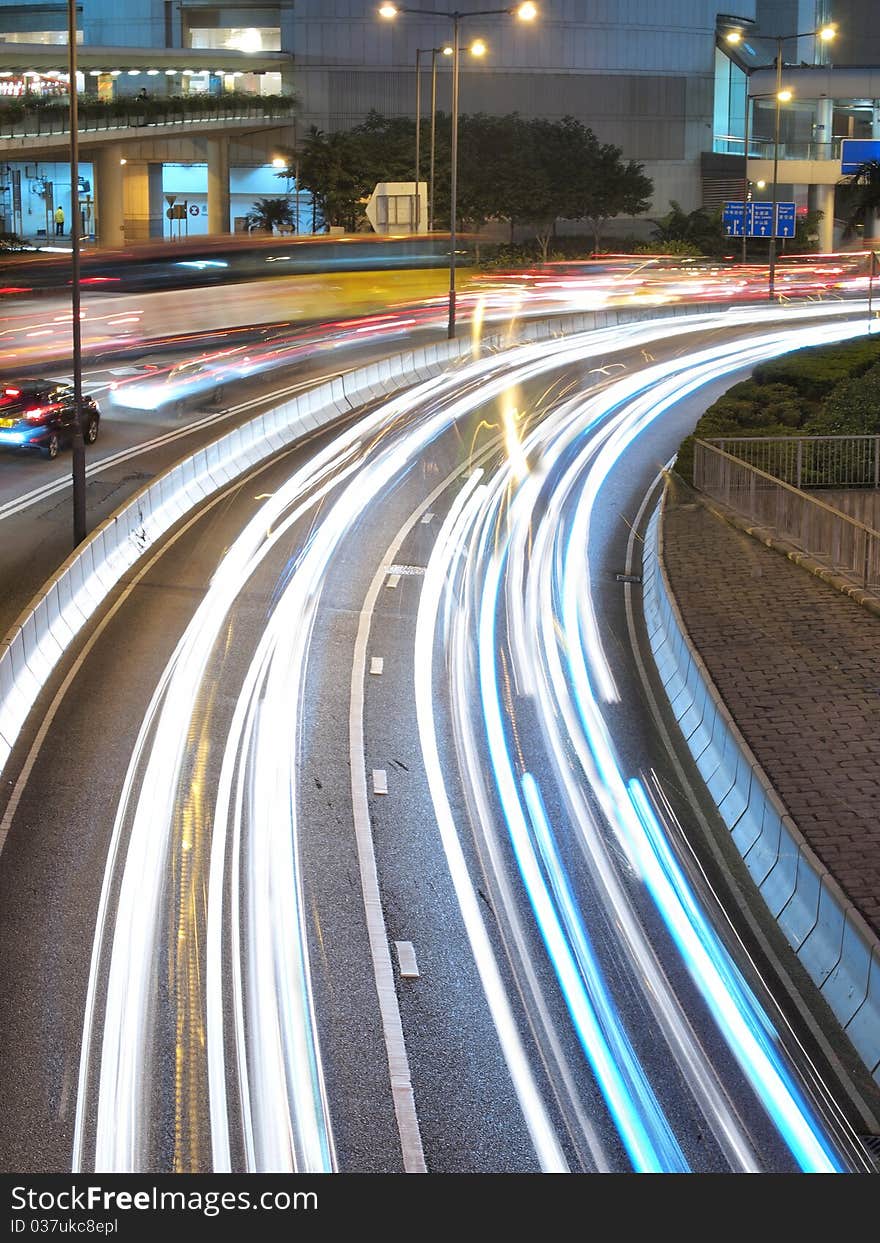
798	665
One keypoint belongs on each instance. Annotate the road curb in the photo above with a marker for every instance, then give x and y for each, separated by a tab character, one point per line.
836	946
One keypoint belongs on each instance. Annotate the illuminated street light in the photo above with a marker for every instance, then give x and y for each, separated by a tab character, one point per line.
523	12
782	96
477	48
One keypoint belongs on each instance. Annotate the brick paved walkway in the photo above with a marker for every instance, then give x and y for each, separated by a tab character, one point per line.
798	665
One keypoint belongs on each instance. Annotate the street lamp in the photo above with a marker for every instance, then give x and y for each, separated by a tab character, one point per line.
476	49
523	12
825	34
783	97
446	50
78	464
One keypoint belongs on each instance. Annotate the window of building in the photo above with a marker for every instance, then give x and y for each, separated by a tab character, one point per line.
54	38
253	39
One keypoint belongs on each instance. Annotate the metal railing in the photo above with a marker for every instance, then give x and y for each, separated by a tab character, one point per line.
810	461
840	542
41	122
762	148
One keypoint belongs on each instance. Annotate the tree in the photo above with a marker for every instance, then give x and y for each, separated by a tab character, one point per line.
862	199
607	187
699	229
269	214
327	169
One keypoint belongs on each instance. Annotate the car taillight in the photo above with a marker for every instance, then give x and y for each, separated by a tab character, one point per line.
36	415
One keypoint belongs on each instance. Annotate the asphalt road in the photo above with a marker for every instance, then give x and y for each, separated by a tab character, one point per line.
158	809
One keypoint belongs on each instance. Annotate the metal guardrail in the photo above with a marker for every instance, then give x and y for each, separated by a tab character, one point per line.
43	122
843	544
810	461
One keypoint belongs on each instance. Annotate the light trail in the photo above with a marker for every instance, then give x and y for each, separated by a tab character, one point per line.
520	527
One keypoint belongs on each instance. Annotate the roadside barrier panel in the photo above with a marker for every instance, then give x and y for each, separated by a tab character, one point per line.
848	984
821	949
838	950
799	916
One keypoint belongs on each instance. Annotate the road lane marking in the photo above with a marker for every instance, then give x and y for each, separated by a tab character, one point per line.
380	781
406	960
377	664
393	580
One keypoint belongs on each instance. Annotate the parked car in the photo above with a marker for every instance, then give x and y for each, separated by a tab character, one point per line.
38	415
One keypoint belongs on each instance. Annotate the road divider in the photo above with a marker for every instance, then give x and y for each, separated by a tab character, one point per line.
836	946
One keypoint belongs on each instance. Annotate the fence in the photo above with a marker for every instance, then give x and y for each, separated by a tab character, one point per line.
810	461
843	544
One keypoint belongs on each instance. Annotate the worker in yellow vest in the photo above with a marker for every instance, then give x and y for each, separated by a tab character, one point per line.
59	221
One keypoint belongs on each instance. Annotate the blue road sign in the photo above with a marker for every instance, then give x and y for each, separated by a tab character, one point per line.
786	219
761	224
732	216
756	219
854	152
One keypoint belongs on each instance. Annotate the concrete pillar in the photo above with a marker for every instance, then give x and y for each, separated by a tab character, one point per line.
825	204
156	200
218	185
110	195
824	128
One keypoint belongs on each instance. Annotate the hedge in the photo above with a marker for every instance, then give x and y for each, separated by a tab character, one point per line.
823	390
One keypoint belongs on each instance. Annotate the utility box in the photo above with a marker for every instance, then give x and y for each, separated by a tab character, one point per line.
398	207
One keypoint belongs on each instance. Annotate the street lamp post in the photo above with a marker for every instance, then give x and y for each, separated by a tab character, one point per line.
525	12
446	51
777	112
417	213
78	467
826	33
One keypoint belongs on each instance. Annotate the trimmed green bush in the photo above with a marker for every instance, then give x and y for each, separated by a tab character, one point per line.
824	390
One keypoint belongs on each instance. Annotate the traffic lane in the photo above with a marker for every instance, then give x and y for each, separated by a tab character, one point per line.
52	864
469	1118
643	747
38	534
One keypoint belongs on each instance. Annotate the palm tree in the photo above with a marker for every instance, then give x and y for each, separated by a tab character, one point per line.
269	214
863	199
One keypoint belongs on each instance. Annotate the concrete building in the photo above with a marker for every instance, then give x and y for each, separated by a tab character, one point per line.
655	77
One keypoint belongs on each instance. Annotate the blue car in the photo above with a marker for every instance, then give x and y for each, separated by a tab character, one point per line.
38	416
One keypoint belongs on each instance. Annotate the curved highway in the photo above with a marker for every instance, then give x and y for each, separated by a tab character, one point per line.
348	841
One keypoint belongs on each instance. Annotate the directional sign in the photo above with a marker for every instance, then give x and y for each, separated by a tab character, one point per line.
785	219
854	152
762	220
755	219
732	215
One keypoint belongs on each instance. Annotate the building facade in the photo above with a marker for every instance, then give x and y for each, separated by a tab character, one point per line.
655	77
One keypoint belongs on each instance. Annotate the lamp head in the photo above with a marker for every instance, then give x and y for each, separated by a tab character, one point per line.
827	33
447	50
526	12
478	48
733	36
785	96
388	11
